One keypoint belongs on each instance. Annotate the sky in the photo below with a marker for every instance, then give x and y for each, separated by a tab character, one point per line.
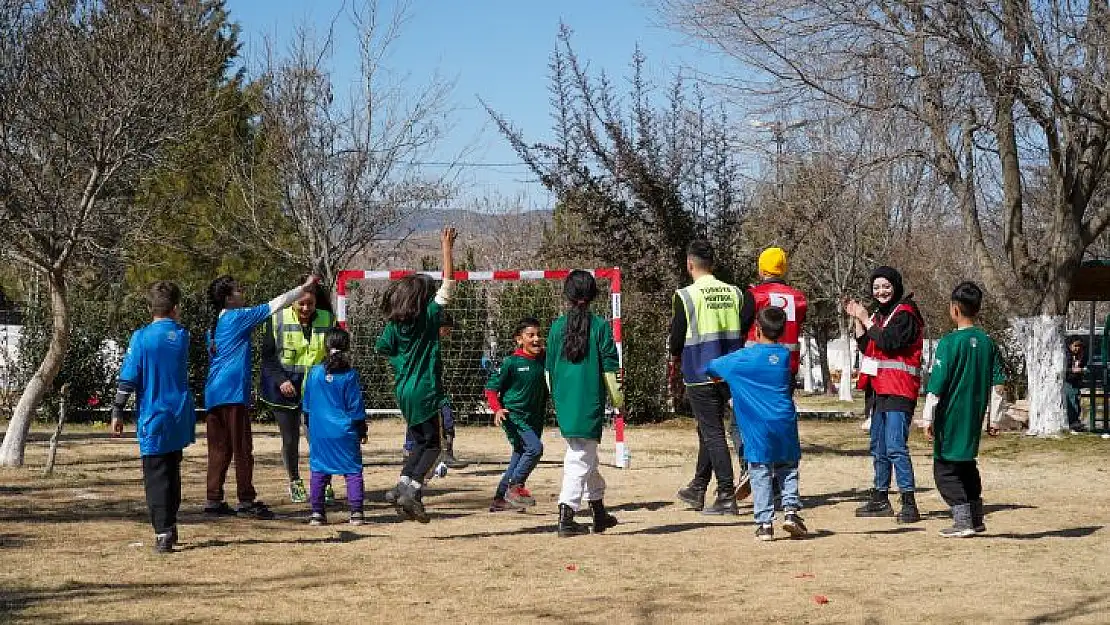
497	50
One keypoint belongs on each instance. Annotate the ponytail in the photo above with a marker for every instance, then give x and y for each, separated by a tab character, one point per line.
218	292
338	342
580	289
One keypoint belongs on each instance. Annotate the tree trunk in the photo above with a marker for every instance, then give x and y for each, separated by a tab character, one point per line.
63	408
845	388
15	440
822	337
1042	342
807	364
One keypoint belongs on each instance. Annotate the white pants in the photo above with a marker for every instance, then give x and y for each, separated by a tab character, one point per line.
581	477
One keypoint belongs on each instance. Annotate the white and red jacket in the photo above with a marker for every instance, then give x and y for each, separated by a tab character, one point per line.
897	373
777	293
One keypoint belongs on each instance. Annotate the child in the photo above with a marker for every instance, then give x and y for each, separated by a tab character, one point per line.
411	342
761	382
517	394
965	366
446	410
333	401
227	392
582	364
156	367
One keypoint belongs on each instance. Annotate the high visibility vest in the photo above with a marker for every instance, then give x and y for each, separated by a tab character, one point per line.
793	303
296	353
712	325
898	373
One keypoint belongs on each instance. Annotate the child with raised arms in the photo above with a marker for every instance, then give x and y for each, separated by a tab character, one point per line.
582	366
332	402
413	310
227	392
517	394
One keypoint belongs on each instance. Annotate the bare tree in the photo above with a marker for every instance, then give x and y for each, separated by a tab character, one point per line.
92	94
1012	96
342	166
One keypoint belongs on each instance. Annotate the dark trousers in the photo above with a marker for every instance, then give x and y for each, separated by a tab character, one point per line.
162	482
425	449
229	436
289	423
710	405
448	415
957	482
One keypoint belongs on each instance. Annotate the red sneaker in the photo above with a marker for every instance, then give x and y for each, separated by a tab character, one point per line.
519	497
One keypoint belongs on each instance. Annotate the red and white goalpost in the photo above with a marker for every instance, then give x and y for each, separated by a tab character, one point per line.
612	275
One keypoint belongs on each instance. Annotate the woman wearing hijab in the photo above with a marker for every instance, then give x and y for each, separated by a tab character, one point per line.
890	339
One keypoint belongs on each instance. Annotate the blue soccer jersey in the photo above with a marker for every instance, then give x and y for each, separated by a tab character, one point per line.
157	366
759	378
229	367
332	403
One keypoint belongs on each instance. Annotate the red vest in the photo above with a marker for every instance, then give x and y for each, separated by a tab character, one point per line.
898	373
793	303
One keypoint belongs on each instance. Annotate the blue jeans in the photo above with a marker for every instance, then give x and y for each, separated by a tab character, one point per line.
526	455
766	478
890	431
448	415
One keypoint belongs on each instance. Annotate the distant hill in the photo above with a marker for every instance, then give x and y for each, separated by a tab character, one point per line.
427	222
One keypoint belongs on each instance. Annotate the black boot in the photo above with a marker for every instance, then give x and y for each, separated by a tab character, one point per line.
977	516
878	504
692	496
448	457
567	525
725	504
602	519
909	512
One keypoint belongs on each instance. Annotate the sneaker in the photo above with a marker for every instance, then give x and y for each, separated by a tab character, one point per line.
500	505
744	489
519	497
410	502
297	492
765	531
329	495
317	519
692	496
219	509
163	543
794	525
357	518
255	510
725	504
392	494
958	532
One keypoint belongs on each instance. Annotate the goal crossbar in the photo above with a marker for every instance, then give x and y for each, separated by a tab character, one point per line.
611	274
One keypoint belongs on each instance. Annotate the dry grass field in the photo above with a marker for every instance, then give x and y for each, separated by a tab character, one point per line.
76	547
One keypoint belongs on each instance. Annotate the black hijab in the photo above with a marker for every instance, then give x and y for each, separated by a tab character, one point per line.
891	275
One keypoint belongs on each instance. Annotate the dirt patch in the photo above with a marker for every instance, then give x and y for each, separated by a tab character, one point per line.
76	547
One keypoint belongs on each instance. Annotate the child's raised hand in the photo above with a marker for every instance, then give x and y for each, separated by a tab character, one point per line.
447	238
499	416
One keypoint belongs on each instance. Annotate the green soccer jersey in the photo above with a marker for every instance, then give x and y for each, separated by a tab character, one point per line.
523	390
965	367
413	350
578	389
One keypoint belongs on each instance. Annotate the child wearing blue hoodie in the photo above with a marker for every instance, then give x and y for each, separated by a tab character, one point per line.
760	380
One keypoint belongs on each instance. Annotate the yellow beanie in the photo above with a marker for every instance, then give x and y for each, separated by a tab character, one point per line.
772	261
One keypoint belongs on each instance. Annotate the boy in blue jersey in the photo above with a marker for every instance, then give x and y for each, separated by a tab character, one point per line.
227	392
156	367
760	379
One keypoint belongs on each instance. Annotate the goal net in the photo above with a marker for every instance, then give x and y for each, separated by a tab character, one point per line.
485	307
